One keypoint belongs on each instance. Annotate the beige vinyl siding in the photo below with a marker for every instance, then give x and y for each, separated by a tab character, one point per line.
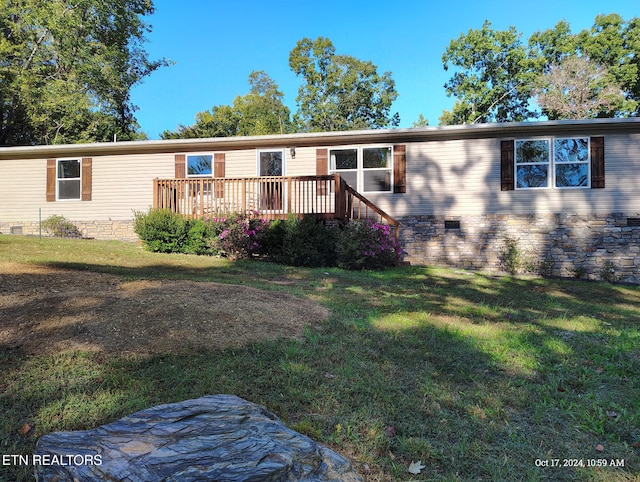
121	185
26	181
242	163
462	177
444	177
304	163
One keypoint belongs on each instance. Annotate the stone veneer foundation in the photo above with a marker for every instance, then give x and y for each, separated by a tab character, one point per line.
120	230
597	247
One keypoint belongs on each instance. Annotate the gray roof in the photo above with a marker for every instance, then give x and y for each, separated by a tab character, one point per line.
470	131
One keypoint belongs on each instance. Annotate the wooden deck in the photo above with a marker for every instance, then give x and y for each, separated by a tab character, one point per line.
325	197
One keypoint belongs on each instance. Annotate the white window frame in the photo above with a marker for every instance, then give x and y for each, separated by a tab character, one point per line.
284	159
551	163
587	162
78	179
195	154
360	169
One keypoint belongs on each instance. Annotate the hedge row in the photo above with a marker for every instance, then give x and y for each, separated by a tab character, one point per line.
296	242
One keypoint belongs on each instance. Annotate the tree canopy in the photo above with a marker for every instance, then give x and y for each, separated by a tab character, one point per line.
497	77
577	88
67	69
340	92
259	112
492	77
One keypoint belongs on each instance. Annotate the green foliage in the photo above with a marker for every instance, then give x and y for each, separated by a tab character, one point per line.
162	231
511	256
198	240
608	272
296	242
301	242
611	44
496	75
578	271
421	122
492	78
479	375
261	111
236	236
60	227
68	69
367	245
340	92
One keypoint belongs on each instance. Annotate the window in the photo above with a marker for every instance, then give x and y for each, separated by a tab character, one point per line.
571	158
271	163
532	163
540	163
199	165
376	163
68	179
366	169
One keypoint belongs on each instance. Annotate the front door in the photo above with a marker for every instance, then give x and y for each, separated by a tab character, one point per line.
271	163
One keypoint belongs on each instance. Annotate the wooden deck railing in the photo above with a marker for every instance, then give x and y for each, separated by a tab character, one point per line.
326	197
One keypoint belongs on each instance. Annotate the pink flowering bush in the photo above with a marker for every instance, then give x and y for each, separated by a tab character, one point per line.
367	245
236	236
297	242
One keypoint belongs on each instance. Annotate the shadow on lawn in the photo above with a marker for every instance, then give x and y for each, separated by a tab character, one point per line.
475	376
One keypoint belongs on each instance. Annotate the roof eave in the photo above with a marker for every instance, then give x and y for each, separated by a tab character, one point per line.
319	139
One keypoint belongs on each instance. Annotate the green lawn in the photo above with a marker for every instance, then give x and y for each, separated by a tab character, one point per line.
478	377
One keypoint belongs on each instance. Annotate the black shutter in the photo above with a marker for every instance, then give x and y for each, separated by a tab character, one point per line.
506	166
597	163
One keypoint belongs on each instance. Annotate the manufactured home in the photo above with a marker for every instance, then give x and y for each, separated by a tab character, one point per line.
566	192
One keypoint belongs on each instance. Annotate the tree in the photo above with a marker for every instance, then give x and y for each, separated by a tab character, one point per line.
340	92
421	122
492	81
577	88
67	69
262	110
259	112
611	43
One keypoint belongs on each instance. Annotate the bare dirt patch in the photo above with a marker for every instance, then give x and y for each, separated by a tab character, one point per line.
47	310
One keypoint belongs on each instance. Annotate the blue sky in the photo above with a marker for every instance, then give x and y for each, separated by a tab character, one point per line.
216	44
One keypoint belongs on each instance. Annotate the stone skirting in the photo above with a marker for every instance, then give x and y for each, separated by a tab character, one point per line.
121	230
597	247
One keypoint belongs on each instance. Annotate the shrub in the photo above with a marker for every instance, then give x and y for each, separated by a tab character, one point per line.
198	240
578	271
511	256
61	227
367	245
236	236
301	242
161	230
608	272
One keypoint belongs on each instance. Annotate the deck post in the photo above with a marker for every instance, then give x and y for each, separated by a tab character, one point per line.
339	208
155	193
